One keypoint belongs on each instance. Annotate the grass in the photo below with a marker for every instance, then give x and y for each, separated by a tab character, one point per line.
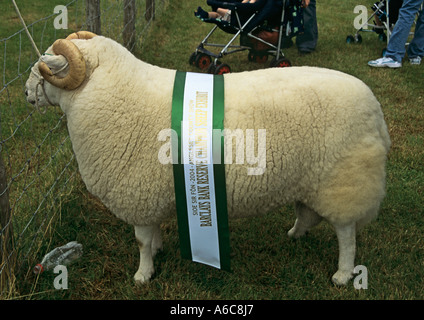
35	148
266	264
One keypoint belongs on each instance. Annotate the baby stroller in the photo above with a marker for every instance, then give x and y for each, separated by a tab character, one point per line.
385	14
261	26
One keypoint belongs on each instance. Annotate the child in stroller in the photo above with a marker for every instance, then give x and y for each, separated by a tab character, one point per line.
262	25
220	13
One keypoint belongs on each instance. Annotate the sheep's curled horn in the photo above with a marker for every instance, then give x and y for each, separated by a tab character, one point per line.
70	51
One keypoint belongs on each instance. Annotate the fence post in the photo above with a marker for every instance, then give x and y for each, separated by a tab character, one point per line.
129	24
92	12
7	255
150	10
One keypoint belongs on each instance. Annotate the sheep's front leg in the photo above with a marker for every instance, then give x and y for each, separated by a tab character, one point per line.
144	236
346	236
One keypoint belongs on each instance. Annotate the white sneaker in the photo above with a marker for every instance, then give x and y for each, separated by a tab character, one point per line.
384	62
416	60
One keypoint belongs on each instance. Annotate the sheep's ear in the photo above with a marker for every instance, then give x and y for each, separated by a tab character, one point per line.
54	62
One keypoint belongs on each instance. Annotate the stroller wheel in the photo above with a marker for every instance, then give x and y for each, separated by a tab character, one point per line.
354	39
222	69
280	63
202	61
350	39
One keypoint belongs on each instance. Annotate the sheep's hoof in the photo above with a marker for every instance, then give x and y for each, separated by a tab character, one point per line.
297	231
341	278
294	233
141	278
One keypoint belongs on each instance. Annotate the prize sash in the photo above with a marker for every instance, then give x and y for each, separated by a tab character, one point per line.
199	175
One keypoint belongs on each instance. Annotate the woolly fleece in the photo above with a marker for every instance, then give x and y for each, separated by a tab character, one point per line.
326	138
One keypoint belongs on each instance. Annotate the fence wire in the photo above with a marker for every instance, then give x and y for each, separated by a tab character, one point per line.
38	165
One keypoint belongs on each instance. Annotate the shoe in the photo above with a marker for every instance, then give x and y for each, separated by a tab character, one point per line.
305	51
416	60
201	14
384	62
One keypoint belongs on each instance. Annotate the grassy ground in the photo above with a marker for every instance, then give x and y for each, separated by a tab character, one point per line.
266	264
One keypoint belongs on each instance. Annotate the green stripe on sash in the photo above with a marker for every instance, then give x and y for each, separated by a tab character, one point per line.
219	174
180	194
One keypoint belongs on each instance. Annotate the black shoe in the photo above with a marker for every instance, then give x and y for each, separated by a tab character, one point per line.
305	51
201	14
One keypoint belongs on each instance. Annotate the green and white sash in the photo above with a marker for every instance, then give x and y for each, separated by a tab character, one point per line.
199	175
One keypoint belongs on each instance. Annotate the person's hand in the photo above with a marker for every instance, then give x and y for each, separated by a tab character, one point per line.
305	3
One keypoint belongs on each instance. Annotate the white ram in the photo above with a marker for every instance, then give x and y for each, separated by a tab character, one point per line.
326	140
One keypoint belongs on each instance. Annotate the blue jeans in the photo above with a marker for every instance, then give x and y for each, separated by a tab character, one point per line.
399	36
307	41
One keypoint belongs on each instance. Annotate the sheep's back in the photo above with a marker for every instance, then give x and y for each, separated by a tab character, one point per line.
312	117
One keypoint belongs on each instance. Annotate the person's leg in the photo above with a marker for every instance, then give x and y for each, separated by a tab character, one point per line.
221	12
416	47
307	41
399	36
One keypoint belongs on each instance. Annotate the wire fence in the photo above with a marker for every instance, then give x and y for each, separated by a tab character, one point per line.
37	165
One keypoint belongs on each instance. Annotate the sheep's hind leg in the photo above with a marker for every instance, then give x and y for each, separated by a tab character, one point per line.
306	219
346	236
156	241
144	236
